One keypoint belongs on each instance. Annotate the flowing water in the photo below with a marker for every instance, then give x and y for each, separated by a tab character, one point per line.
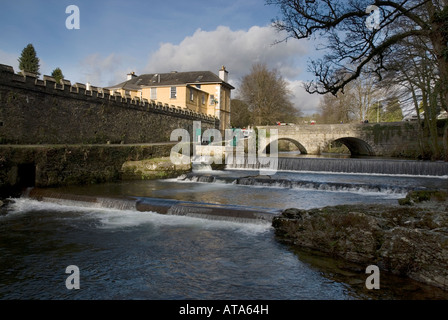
125	248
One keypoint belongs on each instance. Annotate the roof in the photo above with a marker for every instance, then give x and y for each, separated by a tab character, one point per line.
170	79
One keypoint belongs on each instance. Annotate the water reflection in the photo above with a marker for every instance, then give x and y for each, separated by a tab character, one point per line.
392	287
135	255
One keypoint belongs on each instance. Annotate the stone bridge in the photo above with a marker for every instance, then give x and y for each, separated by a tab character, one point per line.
376	139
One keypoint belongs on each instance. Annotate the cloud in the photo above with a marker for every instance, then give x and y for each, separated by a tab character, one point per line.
9	59
237	50
306	102
105	71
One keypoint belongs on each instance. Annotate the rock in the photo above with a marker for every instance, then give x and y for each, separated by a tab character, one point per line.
409	241
156	168
418	196
292	213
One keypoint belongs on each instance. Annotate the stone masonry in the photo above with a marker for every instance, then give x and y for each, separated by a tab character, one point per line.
34	111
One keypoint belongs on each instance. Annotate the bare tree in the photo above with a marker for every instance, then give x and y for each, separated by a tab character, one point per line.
413	68
336	109
366	95
415	31
267	96
357	102
352	45
241	116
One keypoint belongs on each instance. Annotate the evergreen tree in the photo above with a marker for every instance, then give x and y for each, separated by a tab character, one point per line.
57	74
28	61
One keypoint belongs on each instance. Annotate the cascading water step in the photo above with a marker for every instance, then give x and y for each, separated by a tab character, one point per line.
280	182
206	210
157	205
354	165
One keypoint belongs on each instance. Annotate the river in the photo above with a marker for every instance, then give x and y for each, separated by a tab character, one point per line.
128	254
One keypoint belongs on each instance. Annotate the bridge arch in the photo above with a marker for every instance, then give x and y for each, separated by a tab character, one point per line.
299	146
356	146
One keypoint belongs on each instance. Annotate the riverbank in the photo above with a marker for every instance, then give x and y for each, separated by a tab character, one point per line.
409	239
23	166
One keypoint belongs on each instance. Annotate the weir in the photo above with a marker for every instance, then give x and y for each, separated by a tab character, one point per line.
272	181
354	165
161	206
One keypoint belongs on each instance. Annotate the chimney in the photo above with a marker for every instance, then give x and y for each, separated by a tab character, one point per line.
223	74
131	75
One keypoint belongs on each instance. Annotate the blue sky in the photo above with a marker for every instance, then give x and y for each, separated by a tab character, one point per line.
152	36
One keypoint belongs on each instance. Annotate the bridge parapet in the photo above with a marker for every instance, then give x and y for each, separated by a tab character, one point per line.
381	139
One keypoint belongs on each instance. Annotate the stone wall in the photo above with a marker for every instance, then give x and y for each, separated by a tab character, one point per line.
35	111
57	165
379	139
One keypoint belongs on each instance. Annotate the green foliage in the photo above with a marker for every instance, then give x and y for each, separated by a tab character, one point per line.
57	74
28	61
390	113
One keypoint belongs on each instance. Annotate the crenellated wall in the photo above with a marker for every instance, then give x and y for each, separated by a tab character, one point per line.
42	111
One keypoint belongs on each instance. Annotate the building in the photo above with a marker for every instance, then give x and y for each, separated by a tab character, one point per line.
199	91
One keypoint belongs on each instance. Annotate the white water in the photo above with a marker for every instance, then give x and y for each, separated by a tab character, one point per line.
116	218
380	184
353	165
128	254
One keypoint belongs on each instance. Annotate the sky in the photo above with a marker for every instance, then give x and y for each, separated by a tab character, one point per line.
155	36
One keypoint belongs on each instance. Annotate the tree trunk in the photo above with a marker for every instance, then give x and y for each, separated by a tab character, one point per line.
445	141
439	39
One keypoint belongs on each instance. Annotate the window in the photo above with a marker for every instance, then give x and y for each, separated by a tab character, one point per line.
212	99
153	93
173	92
203	98
191	95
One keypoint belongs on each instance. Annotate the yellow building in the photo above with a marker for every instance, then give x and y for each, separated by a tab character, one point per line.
199	91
